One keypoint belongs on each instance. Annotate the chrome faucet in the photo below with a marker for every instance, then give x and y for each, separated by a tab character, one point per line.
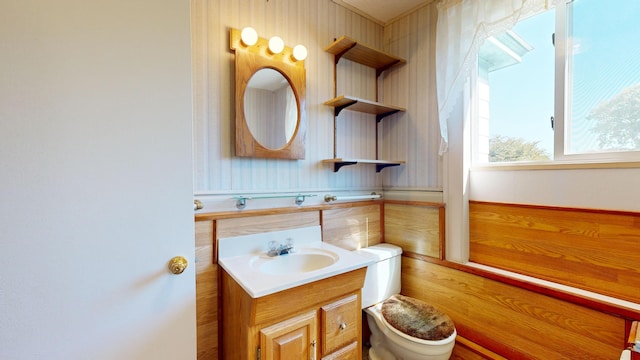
276	249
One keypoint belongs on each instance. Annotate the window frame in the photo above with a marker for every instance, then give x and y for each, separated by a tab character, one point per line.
562	109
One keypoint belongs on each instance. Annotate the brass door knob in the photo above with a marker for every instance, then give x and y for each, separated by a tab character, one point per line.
177	265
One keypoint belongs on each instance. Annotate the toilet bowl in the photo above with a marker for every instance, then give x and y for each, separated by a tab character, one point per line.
393	342
388	343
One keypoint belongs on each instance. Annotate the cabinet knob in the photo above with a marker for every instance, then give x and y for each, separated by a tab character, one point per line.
343	326
177	265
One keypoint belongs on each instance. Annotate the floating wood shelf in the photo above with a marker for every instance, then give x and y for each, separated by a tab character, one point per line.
350	49
345	47
380	164
370	107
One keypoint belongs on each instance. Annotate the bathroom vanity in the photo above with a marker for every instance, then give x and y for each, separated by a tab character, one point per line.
319	320
302	305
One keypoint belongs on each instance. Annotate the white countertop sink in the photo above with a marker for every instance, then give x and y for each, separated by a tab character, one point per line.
245	259
301	261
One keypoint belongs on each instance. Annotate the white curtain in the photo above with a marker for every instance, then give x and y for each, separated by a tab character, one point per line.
462	27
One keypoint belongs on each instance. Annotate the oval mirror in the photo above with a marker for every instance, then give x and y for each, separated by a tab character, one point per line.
273	125
270	108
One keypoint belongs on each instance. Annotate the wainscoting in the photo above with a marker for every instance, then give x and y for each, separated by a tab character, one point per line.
594	250
349	225
496	316
514	322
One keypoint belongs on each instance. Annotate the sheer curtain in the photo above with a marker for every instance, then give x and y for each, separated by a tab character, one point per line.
462	27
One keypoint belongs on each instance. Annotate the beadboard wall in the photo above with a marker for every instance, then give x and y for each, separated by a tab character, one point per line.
416	136
411	136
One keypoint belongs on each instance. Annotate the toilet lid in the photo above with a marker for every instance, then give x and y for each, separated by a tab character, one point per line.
417	318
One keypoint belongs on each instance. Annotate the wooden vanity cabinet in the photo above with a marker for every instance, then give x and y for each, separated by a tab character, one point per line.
340	323
320	320
293	338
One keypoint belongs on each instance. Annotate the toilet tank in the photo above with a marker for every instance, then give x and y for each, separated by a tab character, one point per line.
383	276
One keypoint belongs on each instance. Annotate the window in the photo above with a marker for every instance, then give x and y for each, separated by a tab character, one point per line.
561	85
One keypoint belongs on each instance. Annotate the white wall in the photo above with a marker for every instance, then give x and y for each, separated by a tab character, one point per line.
314	24
613	189
95	180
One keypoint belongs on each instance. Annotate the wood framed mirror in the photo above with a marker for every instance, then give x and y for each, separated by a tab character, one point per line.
270	116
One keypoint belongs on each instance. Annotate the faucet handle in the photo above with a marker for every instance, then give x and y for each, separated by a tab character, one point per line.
288	246
273	248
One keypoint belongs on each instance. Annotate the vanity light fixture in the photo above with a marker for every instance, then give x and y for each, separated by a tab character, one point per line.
249	36
299	52
276	45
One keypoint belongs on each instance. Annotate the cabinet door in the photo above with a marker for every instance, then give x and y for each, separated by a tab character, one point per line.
349	352
292	339
341	322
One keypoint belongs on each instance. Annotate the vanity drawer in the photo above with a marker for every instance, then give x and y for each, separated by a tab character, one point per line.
340	323
349	352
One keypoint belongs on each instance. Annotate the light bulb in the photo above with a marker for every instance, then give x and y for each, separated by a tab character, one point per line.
299	52
249	36
276	45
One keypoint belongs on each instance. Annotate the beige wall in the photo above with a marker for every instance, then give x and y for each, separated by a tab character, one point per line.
314	24
415	137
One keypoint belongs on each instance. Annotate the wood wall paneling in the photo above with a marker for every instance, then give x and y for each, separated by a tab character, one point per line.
414	227
587	249
514	322
265	223
493	316
206	291
468	350
352	227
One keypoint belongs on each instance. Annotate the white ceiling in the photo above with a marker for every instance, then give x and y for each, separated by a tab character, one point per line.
382	11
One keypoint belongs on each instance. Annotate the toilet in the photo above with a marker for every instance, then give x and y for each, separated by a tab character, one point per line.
392	336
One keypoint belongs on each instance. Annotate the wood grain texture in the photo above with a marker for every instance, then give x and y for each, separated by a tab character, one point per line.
240	341
273	307
352	228
415	228
466	349
281	210
350	352
244	316
587	249
206	291
290	338
265	223
514	322
363	54
247	63
344	312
